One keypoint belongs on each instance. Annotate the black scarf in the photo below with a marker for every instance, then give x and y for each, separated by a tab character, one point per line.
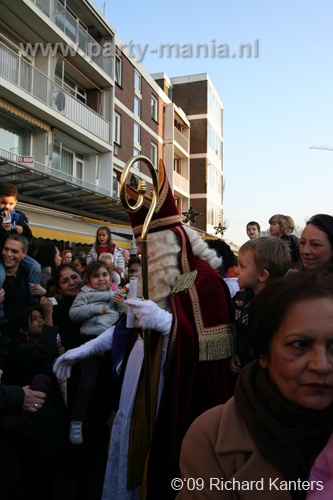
287	435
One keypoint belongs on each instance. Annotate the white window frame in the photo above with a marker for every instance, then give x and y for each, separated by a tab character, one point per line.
136	152
153	153
79	158
115	186
118	74
116	127
137	107
137	81
137	127
154	108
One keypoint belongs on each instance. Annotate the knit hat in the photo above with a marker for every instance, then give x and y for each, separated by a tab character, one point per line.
166	215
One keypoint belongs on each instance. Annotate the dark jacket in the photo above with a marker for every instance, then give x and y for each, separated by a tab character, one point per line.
241	302
32	358
13	425
11	398
17	296
293	243
68	330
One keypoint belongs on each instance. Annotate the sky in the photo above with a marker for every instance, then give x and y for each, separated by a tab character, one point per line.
276	103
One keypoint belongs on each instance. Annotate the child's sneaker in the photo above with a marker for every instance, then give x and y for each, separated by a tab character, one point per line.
75	432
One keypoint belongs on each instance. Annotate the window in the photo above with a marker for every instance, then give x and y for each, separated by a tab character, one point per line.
117	70
137	132
214	110
136	152
137	81
214	183
178	166
116	127
137	107
79	166
115	186
67	161
154	108
214	143
62	159
14	138
153	154
68	83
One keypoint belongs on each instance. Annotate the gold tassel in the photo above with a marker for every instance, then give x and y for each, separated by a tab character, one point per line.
218	345
184	281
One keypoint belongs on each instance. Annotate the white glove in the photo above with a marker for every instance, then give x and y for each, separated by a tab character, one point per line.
63	365
149	316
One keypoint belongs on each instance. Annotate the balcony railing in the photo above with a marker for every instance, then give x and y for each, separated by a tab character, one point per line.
21	73
180	183
79	36
181	140
58	174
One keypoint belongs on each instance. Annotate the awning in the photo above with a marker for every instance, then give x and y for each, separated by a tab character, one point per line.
54	225
25	116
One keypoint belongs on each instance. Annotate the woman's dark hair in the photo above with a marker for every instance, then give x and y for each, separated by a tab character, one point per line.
58	270
82	261
134	260
109	240
22	319
46	255
323	222
269	308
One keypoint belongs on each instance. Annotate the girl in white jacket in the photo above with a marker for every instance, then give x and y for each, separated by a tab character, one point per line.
103	244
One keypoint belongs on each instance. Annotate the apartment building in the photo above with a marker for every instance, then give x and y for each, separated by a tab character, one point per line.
75	106
198	98
148	123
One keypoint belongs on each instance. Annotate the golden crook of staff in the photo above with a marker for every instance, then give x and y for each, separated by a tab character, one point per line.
142	188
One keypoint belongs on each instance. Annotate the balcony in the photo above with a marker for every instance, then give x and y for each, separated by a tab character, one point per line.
180	184
181	140
16	70
79	36
44	186
56	174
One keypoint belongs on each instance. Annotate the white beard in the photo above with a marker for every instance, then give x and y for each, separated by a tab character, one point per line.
163	267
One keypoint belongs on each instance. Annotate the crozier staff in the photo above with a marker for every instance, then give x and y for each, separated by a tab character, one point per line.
282	414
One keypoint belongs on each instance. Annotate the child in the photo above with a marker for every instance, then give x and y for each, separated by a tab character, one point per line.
260	260
98	307
13	220
253	229
281	226
108	259
104	244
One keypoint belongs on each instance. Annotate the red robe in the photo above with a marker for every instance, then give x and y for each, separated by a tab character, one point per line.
202	329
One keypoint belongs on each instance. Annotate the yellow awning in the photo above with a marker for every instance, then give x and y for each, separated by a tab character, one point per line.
25	116
45	223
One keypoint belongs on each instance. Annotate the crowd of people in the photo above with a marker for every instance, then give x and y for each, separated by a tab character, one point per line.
241	380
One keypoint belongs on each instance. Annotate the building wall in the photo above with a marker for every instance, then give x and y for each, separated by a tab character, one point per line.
191	97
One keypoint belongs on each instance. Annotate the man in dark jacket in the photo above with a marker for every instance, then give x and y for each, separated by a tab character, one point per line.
16	285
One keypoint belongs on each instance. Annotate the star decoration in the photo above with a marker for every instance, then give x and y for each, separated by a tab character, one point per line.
220	229
191	215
